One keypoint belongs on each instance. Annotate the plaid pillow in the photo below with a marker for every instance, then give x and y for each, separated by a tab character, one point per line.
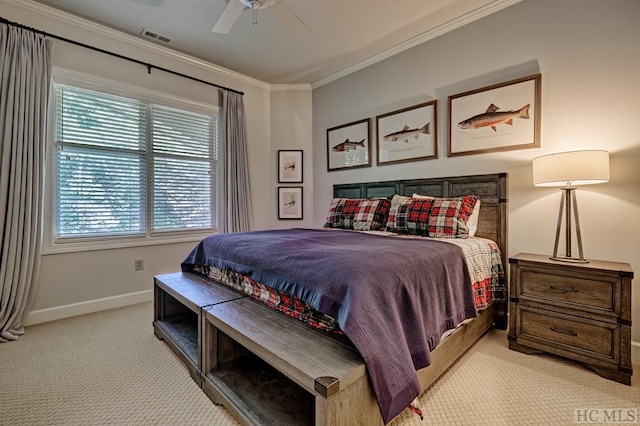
371	214
418	213
398	214
472	223
361	214
449	216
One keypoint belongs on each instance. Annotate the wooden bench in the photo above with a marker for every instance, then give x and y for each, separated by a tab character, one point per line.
266	368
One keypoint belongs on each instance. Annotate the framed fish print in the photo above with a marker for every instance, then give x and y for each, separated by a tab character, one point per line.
289	202
349	146
408	134
289	166
501	117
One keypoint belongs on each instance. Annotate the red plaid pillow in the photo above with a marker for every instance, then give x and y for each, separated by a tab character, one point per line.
371	214
472	223
361	214
449	216
418	213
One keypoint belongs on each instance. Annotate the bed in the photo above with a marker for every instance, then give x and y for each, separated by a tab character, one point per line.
391	381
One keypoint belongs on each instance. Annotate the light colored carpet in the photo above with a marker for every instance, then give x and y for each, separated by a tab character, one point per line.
108	368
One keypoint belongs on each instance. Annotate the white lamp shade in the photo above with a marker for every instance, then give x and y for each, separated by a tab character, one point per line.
571	168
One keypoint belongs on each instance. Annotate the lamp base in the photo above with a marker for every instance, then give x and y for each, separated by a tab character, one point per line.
568	259
569	199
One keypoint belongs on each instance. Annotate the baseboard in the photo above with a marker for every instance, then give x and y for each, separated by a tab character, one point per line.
59	312
635	351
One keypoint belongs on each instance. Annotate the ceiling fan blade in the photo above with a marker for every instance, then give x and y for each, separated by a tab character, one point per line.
290	18
228	17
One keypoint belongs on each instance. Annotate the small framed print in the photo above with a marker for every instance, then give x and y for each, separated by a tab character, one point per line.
290	166
289	202
349	146
408	134
501	117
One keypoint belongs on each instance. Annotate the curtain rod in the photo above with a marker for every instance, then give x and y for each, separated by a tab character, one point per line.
126	58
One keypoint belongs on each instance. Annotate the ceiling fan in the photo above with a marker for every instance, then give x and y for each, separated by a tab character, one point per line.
284	12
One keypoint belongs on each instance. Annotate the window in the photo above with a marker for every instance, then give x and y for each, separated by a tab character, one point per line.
130	167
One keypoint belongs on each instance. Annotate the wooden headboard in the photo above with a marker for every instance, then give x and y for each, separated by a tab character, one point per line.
492	190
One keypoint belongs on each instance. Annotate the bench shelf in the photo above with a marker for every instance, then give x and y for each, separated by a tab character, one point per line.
258	392
178	302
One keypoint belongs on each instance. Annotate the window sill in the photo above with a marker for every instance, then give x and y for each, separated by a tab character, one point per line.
114	244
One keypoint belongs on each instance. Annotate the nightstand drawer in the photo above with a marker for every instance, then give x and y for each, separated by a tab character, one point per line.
569	333
589	292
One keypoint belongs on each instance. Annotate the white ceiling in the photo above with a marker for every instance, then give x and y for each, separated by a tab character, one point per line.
345	34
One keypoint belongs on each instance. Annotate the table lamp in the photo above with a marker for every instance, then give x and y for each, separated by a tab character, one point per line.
569	169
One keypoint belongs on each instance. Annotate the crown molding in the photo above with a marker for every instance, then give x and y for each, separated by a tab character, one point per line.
419	39
85	24
290	87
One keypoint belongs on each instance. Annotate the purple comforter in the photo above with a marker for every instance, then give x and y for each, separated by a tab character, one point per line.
392	297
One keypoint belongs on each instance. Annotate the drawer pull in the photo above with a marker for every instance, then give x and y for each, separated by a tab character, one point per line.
570	333
566	290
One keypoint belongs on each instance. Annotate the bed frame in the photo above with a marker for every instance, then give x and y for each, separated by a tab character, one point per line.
268	368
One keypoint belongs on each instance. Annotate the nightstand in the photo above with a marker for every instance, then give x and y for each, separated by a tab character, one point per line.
580	311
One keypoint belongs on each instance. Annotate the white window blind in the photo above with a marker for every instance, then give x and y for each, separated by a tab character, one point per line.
182	165
123	163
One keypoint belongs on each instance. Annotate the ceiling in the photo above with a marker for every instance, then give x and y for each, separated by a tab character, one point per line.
344	34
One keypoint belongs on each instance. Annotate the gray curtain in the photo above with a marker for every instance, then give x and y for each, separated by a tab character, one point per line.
25	77
237	215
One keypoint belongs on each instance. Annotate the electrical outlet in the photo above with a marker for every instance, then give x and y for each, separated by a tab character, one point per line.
138	264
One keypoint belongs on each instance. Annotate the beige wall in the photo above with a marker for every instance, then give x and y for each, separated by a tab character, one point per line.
588	52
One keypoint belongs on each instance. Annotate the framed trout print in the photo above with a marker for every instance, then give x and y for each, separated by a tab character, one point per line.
289	202
501	117
349	146
289	166
408	134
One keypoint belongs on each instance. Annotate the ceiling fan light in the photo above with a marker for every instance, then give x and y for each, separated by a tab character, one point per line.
257	4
